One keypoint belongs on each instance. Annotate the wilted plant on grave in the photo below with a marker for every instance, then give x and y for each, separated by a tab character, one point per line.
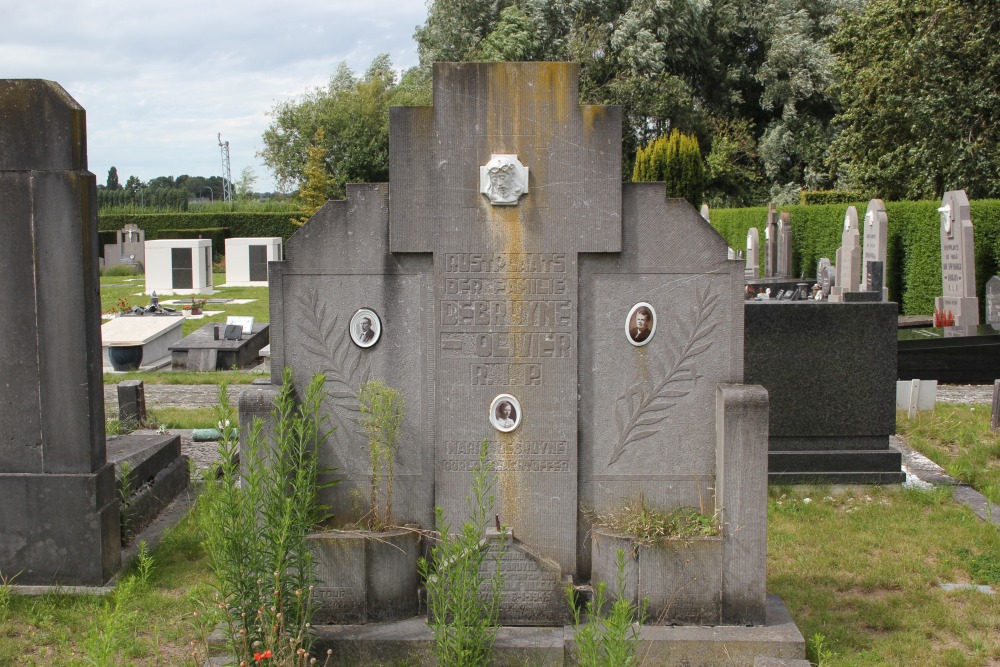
381	418
255	531
649	525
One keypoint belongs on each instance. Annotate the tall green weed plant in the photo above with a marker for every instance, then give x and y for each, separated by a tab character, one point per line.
381	418
256	527
611	638
463	603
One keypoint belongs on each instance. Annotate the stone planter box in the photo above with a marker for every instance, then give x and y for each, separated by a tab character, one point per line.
680	579
364	576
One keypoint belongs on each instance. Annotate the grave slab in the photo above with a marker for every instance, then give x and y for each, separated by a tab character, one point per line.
196	350
155	333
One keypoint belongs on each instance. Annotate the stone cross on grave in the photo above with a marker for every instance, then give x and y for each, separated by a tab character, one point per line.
505	277
514	291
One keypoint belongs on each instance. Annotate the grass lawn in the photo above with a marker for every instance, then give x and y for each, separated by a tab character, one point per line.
130	289
861	567
958	438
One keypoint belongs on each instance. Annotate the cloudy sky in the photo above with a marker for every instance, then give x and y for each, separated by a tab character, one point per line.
160	81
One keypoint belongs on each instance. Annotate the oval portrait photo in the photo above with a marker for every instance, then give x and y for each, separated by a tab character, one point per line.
366	327
640	324
505	413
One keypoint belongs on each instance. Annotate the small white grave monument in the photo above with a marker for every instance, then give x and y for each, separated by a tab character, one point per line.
247	258
179	266
155	333
752	271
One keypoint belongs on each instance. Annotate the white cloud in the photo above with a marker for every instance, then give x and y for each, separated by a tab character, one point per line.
160	82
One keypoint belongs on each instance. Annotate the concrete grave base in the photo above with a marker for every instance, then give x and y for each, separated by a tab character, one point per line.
410	642
158	473
44	544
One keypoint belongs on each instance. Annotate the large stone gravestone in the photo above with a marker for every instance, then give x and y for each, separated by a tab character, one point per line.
752	271
513	291
876	238
59	516
993	301
129	248
848	257
771	242
958	261
785	245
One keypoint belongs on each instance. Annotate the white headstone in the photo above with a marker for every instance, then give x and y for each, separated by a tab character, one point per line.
785	245
771	243
876	232
848	257
753	254
958	261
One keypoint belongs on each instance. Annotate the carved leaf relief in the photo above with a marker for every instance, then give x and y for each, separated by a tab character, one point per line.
644	405
340	361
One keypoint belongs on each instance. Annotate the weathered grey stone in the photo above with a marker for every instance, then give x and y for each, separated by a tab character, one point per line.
741	500
365	576
848	258
771	242
993	301
132	402
58	511
481	294
680	580
876	239
785	245
128	249
958	261
533	586
753	255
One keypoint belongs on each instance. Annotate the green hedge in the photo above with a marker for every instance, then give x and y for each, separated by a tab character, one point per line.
237	224
913	262
817	197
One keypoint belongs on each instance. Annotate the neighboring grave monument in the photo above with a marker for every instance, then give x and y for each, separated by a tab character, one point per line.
129	248
993	302
876	235
752	271
515	291
784	245
771	243
848	258
958	261
59	515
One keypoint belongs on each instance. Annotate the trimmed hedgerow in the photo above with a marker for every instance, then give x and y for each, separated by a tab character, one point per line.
913	261
238	224
817	197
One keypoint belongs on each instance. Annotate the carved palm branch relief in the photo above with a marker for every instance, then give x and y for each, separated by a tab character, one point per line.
644	405
340	361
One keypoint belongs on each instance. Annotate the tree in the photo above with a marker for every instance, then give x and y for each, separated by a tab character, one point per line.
133	184
920	92
316	179
112	183
243	188
675	160
354	115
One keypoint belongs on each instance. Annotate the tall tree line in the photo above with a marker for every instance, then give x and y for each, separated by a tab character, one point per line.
894	98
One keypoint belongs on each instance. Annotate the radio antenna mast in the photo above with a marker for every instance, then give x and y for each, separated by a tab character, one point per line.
227	174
